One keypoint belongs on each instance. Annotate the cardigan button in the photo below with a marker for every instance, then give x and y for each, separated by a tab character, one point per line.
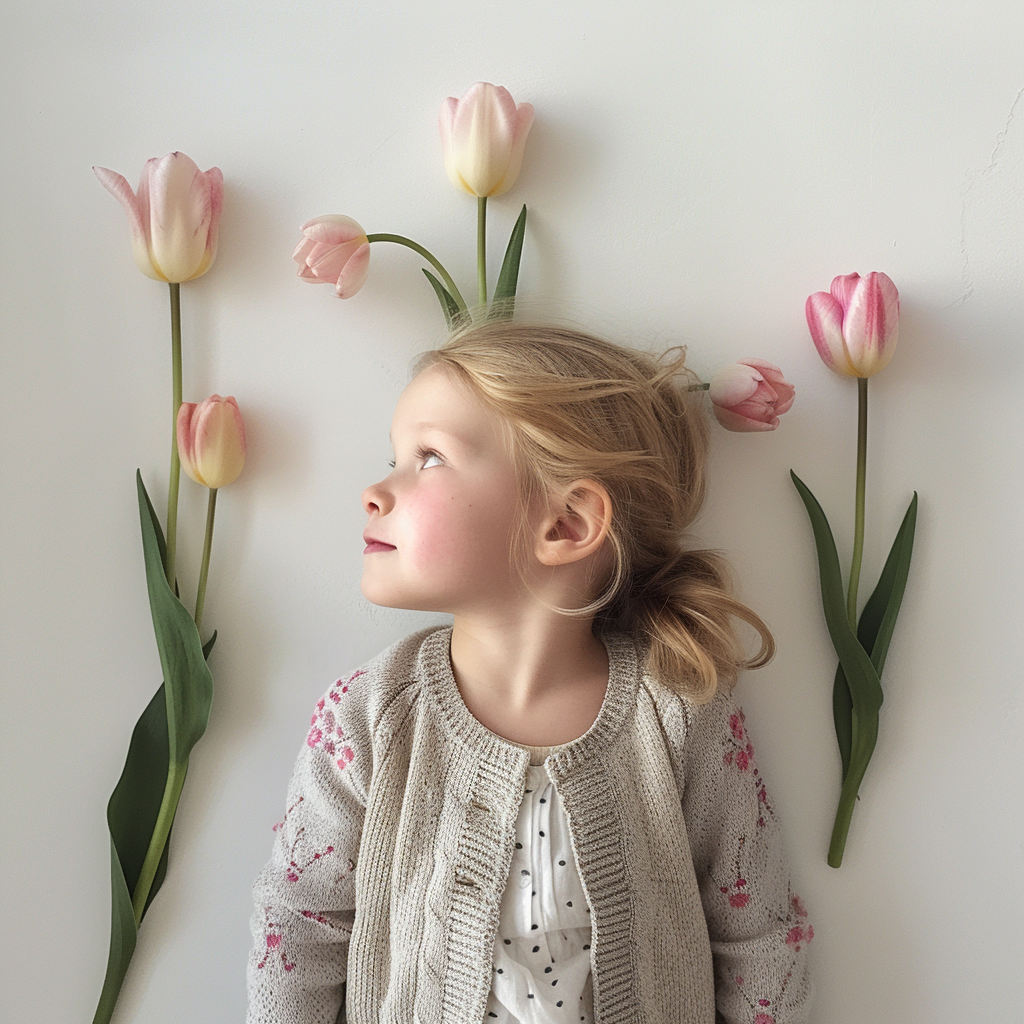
478	805
464	879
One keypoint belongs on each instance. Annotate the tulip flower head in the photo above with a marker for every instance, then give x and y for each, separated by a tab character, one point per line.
334	250
174	217
211	441
854	327
750	395
483	136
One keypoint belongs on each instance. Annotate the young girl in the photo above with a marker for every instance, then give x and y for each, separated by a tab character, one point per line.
549	811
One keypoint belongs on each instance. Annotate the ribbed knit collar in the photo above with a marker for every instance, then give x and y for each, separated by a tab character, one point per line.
619	701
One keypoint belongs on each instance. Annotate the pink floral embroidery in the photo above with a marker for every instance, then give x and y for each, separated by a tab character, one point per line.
797	904
280	824
295	869
764	1018
798	935
315	917
741	750
736	891
739	754
274	940
325	732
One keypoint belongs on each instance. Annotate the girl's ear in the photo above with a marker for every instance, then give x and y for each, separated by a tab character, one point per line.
575	525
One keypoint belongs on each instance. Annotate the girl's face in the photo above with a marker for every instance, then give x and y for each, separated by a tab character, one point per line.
440	524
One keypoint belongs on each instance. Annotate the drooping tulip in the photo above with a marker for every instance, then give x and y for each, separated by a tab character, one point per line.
483	135
750	395
211	441
855	326
334	250
174	217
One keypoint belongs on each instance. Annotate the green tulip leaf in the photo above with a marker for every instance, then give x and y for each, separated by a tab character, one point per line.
877	621
208	646
842	716
186	675
884	604
503	302
449	306
864	684
862	678
158	752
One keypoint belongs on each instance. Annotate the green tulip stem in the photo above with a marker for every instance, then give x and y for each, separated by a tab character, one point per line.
481	250
204	571
158	840
858	534
844	813
698	387
172	487
428	256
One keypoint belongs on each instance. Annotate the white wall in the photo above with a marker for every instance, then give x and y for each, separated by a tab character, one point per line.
694	173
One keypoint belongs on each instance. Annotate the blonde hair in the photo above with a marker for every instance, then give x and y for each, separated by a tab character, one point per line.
573	407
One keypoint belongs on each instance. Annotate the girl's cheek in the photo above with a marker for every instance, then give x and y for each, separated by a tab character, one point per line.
438	526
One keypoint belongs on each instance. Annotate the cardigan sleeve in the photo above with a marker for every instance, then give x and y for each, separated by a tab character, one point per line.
759	929
305	896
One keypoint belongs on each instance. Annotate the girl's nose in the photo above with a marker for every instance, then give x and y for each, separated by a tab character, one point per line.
377	498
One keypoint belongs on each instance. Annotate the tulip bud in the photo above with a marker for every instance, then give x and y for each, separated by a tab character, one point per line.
750	395
174	218
483	136
855	327
335	251
211	441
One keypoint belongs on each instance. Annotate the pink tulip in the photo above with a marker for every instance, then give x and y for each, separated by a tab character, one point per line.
750	395
855	326
335	251
483	136
174	218
211	441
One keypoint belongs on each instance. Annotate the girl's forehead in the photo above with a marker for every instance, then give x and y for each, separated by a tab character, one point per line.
436	399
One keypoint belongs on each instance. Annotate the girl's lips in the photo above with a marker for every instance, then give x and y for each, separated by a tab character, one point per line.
376	545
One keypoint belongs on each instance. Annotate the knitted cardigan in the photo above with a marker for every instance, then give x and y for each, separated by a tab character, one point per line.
382	895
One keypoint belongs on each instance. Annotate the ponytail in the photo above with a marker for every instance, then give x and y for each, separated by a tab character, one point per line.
684	610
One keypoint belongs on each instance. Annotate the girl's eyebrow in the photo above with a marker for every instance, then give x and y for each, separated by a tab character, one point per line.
425	425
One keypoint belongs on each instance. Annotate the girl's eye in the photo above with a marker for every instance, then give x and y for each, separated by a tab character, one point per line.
429	458
391	463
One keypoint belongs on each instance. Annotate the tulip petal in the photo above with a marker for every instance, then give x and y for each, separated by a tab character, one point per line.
446	123
843	288
138	218
871	324
825	320
785	391
524	121
327	262
741	424
303	249
733	384
353	274
178	209
186	449
212	184
219	442
332	229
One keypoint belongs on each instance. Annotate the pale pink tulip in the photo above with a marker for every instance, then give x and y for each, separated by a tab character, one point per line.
174	218
334	251
854	327
750	395
483	136
211	441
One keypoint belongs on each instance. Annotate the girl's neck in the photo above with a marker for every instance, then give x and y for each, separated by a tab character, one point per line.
539	684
